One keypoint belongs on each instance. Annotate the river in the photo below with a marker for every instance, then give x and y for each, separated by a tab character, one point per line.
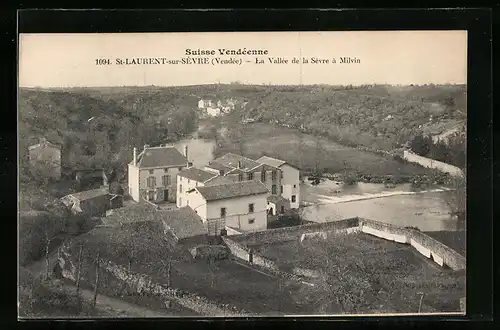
330	201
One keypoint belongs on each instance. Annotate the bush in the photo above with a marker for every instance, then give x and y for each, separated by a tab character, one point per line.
216	252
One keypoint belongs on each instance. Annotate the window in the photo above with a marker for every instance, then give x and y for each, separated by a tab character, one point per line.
165	170
281	189
166	180
180	188
151	171
250	221
293	198
180	168
263	176
222	212
250	176
240	177
180	201
196	184
151	195
273	189
189	181
273	175
250	208
281	174
282	209
295	186
151	182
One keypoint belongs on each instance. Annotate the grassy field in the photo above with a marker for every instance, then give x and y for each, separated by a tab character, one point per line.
226	282
302	150
376	264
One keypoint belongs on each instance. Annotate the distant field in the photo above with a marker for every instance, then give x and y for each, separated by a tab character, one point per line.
301	150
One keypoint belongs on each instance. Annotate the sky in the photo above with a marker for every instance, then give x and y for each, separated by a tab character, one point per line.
385	57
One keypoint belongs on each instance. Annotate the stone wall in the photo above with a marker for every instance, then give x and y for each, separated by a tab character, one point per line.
431	163
293	233
242	252
232	231
424	244
143	283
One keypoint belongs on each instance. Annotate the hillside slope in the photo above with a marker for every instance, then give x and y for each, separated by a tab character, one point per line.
129	118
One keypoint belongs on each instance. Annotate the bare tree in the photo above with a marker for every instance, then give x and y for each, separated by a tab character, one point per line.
96	284
52	229
301	148
79	270
456	198
319	156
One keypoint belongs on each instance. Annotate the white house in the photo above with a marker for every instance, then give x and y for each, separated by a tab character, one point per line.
152	174
241	205
214	112
290	180
241	168
202	104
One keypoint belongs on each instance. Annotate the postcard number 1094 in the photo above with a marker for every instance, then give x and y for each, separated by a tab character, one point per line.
102	61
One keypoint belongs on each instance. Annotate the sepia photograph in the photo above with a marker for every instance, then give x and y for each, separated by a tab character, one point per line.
242	174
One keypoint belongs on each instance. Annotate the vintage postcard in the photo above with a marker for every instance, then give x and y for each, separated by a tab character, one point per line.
242	174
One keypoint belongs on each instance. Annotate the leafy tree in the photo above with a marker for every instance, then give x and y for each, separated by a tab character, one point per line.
116	188
421	145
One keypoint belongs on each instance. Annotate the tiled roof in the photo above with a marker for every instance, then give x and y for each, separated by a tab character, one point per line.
44	143
219	180
231	190
276	199
161	157
232	160
183	222
128	214
89	194
196	174
271	161
218	166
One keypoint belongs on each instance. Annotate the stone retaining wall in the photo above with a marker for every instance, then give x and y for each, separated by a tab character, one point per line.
293	233
424	244
144	284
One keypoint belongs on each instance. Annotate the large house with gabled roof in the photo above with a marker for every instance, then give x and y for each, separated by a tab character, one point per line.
240	205
239	192
152	174
242	168
290	179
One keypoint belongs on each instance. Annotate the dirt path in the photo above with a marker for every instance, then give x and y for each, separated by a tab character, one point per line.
112	306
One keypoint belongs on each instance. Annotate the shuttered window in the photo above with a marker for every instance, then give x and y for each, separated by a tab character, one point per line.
151	182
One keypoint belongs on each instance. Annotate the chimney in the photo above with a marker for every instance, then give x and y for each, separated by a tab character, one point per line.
239	163
135	157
